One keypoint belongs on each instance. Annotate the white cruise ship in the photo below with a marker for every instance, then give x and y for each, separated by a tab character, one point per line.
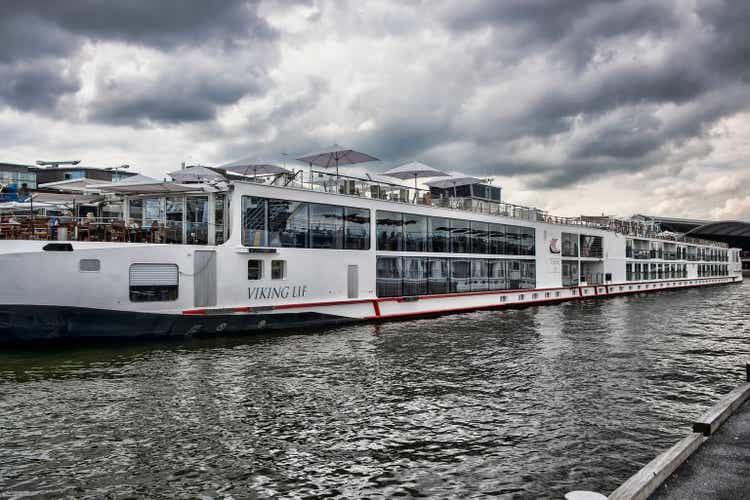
309	248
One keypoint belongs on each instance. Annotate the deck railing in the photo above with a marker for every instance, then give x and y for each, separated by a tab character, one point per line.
378	189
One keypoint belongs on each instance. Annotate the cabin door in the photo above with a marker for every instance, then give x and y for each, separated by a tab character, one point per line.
352	281
204	278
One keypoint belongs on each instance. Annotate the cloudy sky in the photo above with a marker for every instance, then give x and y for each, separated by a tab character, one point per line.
583	106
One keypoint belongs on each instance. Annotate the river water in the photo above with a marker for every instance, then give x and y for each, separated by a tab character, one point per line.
526	403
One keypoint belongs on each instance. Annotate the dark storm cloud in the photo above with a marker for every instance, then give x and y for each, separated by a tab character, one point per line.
37	86
169	99
163	23
701	55
37	37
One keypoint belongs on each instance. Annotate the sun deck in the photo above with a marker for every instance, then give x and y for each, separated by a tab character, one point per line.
197	213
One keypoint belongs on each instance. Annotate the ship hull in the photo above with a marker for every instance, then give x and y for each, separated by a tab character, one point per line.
23	324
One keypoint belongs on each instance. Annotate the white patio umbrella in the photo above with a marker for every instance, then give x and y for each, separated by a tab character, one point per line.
196	174
254	167
336	155
455	179
143	184
414	169
73	185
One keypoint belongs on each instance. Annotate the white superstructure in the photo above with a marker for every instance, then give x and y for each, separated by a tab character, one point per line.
293	253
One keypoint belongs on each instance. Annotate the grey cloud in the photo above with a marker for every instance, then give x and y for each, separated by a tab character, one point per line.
166	23
177	95
37	86
38	37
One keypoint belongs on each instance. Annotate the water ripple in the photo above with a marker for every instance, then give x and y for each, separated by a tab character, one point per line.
513	404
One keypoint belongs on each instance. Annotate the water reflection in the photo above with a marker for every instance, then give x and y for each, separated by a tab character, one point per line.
517	403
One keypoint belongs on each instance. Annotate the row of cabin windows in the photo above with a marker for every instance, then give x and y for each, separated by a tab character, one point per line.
295	224
638	272
713	270
406	276
419	233
642	249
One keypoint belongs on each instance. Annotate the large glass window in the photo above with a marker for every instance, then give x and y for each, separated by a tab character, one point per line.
460	275
528	274
512	240
527	239
479	275
570	273
439	274
496	275
591	246
173	230
288	224
496	241
415	276
439	231
254	222
196	220
326	226
514	274
390	231
570	245
389	282
459	236
415	233
356	228
479	237
135	208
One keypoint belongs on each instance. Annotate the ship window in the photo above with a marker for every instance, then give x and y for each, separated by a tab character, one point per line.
415	276
479	237
570	245
357	228
415	233
89	265
512	240
326	226
496	239
287	224
496	275
439	276
591	246
389	282
254	269
459	236
254	222
439	234
153	282
390	231
527	241
278	269
460	275
570	273
479	280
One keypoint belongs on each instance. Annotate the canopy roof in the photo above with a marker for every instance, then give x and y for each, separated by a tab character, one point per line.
73	185
456	179
414	169
336	156
144	184
728	228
